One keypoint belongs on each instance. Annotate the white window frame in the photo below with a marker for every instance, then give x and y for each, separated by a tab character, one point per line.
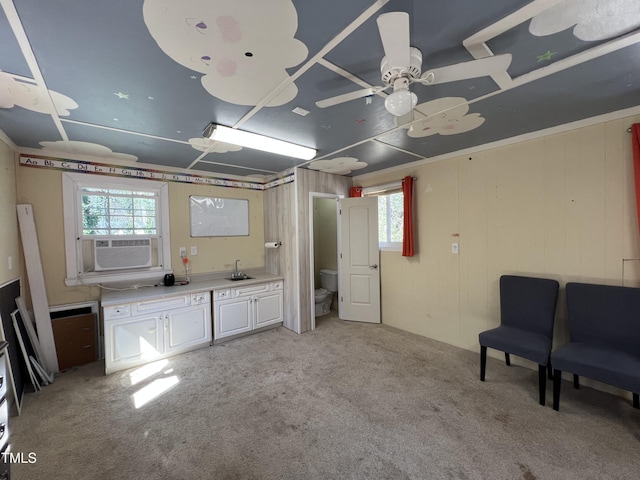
71	185
379	190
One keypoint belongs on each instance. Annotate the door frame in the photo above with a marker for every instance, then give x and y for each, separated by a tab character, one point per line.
312	267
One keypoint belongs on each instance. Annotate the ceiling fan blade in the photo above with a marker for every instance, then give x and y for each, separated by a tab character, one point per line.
465	70
394	33
330	102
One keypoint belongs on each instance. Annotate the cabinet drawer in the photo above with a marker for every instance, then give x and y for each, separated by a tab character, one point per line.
222	294
200	298
249	290
117	311
160	304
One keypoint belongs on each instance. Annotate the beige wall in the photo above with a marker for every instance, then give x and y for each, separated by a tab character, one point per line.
9	235
42	188
215	254
560	207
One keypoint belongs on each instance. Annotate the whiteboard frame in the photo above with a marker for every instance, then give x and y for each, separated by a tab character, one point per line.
220	217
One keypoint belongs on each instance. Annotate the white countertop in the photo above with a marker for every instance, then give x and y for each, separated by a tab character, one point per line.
114	297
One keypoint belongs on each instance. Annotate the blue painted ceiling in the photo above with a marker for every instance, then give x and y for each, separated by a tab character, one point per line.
138	80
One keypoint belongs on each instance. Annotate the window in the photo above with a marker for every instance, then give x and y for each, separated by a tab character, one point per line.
118	212
390	220
116	229
390	214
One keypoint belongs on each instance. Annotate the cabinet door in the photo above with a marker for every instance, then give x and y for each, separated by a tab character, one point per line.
232	317
268	309
187	328
133	341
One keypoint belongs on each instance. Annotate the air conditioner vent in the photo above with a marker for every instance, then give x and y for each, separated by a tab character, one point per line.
122	253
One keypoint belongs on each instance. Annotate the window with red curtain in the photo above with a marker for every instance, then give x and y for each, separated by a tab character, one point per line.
408	249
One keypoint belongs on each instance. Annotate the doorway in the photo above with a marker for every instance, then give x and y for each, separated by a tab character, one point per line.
323	241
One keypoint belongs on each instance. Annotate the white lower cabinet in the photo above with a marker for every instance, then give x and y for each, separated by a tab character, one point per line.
245	308
142	332
133	341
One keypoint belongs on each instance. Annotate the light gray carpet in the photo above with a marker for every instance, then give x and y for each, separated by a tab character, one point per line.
347	401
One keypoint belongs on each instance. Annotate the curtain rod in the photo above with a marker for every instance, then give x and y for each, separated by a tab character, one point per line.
384	186
389	183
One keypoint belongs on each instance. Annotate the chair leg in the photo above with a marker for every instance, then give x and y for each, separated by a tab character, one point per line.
549	369
542	383
636	400
576	381
507	359
557	380
483	361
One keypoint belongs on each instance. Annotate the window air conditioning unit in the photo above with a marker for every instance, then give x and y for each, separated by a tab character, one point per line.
122	253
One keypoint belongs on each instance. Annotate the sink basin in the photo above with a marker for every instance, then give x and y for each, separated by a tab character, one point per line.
237	279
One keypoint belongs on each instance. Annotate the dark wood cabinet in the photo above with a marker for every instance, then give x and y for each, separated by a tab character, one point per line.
75	339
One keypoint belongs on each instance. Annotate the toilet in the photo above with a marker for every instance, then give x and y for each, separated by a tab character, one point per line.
324	295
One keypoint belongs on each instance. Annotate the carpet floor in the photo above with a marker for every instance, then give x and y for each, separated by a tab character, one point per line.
346	401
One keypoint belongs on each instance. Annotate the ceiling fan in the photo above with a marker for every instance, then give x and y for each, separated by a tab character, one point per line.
402	65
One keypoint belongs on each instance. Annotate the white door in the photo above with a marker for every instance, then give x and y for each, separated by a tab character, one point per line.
187	327
136	339
232	317
359	278
268	308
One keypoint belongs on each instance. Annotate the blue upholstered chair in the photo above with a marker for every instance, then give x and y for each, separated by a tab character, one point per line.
527	313
604	338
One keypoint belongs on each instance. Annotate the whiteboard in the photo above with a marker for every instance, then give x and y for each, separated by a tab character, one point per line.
219	217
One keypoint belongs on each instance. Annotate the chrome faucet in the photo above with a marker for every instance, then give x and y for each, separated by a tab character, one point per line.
236	273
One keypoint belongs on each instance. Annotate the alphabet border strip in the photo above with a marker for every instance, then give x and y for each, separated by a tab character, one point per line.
95	168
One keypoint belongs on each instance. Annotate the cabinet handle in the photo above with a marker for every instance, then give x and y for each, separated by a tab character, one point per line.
3	428
1	381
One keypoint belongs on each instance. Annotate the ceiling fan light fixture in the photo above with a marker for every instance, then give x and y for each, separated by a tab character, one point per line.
234	136
400	102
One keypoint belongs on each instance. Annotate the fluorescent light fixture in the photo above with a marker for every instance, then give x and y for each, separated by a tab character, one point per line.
259	142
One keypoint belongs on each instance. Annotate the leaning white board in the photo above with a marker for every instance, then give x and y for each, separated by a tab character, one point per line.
37	287
218	217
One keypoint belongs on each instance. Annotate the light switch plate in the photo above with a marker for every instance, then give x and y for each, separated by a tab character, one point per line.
454	248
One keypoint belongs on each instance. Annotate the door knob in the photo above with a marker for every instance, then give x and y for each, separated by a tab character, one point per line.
375	265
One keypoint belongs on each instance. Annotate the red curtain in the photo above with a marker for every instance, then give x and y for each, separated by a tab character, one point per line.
407	239
635	139
355	192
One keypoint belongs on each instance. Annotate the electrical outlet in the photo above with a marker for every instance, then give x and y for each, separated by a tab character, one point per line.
183	251
454	248
194	251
